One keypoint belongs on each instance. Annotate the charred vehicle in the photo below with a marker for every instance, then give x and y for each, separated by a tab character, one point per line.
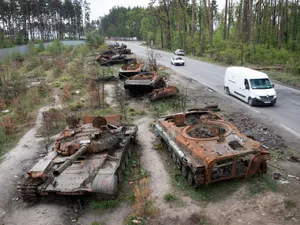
208	149
163	92
144	82
105	60
131	69
87	158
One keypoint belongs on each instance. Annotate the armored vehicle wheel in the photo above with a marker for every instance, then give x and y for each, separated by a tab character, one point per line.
126	158
120	175
28	189
174	157
190	179
123	165
178	163
170	151
184	171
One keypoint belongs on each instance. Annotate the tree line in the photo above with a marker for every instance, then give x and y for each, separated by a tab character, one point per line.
244	31
24	20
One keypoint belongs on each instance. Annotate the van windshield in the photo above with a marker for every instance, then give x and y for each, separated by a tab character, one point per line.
263	83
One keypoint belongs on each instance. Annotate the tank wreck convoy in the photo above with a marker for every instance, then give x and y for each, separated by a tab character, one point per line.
208	149
87	158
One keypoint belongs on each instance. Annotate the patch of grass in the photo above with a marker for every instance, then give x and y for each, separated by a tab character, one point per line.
55	84
290	203
284	77
131	109
159	146
108	204
144	173
105	111
169	197
165	106
261	183
164	73
150	126
97	223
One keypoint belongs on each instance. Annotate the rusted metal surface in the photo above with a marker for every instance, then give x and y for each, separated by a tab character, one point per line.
208	149
131	69
144	82
163	92
87	157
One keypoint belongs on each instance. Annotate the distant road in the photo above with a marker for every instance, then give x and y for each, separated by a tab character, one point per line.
286	112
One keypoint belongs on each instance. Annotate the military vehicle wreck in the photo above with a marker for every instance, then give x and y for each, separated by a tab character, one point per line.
152	84
144	82
87	158
208	149
131	69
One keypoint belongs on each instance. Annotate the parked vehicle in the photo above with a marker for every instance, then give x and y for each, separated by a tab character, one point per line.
179	52
177	61
249	85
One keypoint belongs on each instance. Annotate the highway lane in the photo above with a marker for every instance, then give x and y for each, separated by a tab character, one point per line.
286	112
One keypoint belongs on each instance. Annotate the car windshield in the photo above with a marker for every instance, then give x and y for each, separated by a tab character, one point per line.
178	58
263	83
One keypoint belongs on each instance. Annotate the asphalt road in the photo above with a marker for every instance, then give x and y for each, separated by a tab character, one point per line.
286	112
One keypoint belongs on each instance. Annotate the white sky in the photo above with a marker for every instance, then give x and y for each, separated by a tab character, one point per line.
102	7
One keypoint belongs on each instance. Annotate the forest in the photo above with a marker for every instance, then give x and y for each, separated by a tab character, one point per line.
44	20
262	32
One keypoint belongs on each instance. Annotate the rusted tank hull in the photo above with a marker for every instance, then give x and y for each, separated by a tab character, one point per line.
88	158
130	70
208	149
144	82
163	93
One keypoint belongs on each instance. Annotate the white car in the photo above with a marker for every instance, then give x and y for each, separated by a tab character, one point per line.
179	52
177	61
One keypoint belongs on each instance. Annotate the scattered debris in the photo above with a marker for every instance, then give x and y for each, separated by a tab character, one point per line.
5	111
294	159
276	176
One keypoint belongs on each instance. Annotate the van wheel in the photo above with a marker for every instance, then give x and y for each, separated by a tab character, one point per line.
250	101
227	91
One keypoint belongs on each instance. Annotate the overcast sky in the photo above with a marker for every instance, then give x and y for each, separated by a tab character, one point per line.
102	7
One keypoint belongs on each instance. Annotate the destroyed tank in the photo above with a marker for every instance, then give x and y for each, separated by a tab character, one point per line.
87	158
208	149
144	82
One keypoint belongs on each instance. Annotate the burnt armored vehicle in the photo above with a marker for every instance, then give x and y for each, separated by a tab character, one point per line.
87	158
208	149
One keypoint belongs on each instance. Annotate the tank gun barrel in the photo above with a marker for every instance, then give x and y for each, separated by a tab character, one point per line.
83	149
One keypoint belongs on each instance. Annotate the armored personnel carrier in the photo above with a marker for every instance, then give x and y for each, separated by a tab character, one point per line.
208	149
87	158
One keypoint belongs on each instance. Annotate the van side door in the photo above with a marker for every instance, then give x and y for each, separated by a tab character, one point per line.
244	90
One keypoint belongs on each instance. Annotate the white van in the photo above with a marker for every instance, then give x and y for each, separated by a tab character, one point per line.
249	85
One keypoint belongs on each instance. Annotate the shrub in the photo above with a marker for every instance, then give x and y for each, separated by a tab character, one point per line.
18	57
94	39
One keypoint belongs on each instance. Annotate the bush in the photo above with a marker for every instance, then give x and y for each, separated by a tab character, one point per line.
18	57
94	39
55	48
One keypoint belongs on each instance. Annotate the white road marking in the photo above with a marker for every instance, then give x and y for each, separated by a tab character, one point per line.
290	130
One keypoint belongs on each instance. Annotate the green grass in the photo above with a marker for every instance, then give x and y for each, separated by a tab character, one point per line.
169	197
104	112
108	204
285	77
165	106
261	183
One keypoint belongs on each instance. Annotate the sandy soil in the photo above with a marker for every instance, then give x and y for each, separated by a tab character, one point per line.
237	208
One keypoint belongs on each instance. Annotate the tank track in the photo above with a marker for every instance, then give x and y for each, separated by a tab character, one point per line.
28	189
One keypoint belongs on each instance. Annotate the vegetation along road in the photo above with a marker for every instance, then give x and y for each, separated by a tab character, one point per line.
284	113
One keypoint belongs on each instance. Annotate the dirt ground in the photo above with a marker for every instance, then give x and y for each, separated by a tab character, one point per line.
237	207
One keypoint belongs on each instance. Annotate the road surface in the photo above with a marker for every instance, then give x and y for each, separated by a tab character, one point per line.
286	112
